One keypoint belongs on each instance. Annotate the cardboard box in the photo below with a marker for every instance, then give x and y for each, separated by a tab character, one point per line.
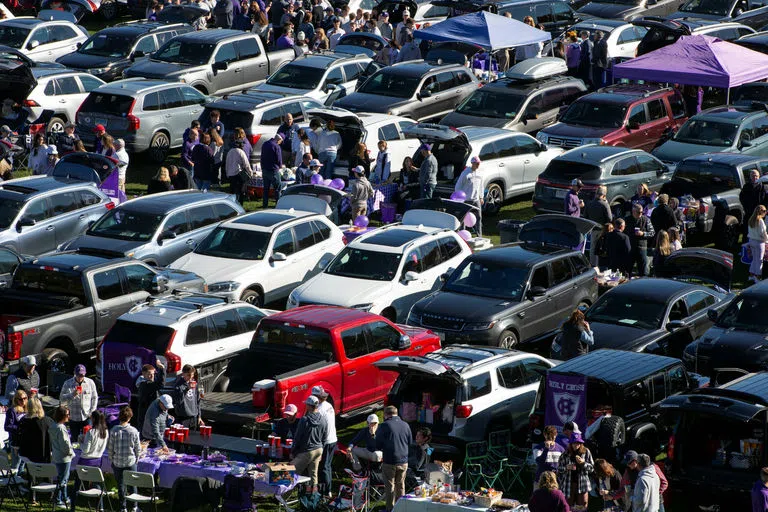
280	473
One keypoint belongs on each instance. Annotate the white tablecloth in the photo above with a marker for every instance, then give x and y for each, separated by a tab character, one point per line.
427	505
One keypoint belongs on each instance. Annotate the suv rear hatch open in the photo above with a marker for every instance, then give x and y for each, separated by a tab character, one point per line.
560	230
349	126
74	8
296	196
711	266
661	32
17	81
451	148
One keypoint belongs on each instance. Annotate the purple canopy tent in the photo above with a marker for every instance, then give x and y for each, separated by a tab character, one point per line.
697	60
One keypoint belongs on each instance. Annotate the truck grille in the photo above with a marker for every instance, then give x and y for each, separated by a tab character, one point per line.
442	322
563	142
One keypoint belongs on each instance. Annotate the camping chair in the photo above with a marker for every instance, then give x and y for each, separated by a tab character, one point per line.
354	498
500	446
44	479
90	477
141	481
482	468
10	482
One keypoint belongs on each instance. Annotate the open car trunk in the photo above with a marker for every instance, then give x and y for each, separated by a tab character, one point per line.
76	8
711	266
449	145
181	14
349	126
17	80
560	230
298	197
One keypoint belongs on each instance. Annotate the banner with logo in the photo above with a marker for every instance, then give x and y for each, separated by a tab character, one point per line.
110	186
566	397
121	364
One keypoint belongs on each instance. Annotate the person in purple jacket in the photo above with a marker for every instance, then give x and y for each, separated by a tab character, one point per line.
760	492
573	204
548	497
13	417
547	454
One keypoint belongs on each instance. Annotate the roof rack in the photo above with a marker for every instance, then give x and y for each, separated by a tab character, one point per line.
185	296
645	89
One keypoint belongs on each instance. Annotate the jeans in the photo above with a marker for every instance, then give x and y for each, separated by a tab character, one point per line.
203	185
758	252
121	484
641	259
328	159
427	190
394	487
326	462
62	468
271	180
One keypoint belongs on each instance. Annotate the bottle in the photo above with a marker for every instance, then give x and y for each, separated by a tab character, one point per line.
205	452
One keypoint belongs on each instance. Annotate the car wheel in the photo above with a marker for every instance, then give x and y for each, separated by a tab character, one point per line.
252	297
56	125
159	147
108	10
55	359
494	198
508	339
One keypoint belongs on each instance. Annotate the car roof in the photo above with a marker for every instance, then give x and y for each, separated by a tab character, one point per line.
138	28
730	113
22	22
71	261
250	100
39	73
417	68
393	239
596	154
165	202
211	36
133	86
616	366
754	384
322	60
37	184
600	24
653	289
463	358
170	309
624	93
734	159
266	220
478	133
528	86
519	254
322	317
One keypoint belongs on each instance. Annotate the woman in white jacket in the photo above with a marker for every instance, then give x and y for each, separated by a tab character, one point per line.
757	238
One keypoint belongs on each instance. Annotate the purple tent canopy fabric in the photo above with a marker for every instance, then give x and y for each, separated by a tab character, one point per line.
697	60
484	29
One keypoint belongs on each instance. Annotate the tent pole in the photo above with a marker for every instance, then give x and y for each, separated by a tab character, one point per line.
728	96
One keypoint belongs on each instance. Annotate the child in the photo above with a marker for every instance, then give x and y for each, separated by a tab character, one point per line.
674	239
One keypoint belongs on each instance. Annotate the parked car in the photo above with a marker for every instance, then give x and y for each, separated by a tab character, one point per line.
510	162
619	169
42	40
39	212
212	61
627	10
369	129
754	92
415	89
718	129
554	15
633	116
262	256
58	307
714	180
621	37
150	115
748	12
158	228
61	91
663	32
421	12
19	55
388	270
630	385
516	294
528	97
110	51
294	350
9	261
477	390
365	43
179	329
93	167
324	77
662	316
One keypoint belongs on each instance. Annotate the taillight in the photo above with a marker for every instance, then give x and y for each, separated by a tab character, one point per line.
34	129
344	239
31	103
463	411
386	400
703	208
109	205
671	449
133	122
13	346
480	84
542	181
174	363
254	139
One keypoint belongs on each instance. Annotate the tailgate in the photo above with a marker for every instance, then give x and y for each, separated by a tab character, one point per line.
231	408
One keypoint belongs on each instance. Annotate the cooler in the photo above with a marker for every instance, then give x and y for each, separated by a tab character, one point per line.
261	392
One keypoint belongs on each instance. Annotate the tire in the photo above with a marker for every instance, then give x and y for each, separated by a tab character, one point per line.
728	235
507	339
611	435
109	10
253	297
55	359
159	147
494	199
56	125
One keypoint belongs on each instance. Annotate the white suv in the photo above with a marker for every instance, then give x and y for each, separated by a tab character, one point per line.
388	270
262	256
42	40
182	328
61	91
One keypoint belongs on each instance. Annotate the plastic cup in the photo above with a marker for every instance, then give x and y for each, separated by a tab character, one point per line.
193	384
167	434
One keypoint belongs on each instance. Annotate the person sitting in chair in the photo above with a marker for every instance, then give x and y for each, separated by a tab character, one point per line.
363	445
418	457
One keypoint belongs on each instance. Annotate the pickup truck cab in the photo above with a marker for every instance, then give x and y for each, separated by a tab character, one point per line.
59	306
303	347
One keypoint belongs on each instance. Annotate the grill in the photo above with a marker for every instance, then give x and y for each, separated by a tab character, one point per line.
563	142
442	322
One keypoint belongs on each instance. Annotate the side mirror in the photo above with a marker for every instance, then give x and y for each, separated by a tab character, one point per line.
91	223
159	283
404	342
324	262
444	277
278	256
410	276
745	144
78	45
536	291
674	325
166	235
662	171
33	44
220	66
542	147
633	125
712	315
330	87
24	222
426	93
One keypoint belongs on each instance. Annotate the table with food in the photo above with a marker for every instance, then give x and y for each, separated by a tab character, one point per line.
436	498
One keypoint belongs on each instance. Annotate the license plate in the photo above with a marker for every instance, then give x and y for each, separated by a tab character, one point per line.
101	121
560	192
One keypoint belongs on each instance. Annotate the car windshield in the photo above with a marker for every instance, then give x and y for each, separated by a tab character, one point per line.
9	209
107	45
622	2
50	280
751	92
126	225
364	264
236	244
628	311
297	77
709	178
183	52
490	103
488	279
747	314
13	36
706	132
387	83
714	7
595	113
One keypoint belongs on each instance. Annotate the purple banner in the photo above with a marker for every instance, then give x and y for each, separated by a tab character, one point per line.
121	364
111	187
566	397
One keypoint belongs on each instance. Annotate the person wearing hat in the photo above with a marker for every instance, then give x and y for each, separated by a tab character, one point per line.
156	421
363	445
271	163
66	139
574	469
335	33
385	27
53	159
25	378
326	409
99	131
300	44
471	183
573	204
81	396
308	441
186	396
361	192
394	439
564	438
285	427
427	172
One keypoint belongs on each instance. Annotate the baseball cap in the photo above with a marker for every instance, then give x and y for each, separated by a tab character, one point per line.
312	400
52	150
572	426
372	418
5	129
99	128
630	456
167	401
426	147
315	163
474	160
80	369
290	410
301	36
319	391
29	360
576	438
279	135
385	14
576	182
359	170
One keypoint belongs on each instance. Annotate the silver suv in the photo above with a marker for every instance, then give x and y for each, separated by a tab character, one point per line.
40	212
150	115
158	228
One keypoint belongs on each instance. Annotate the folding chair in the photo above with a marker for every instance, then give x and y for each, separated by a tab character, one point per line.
89	477
141	481
50	477
10	482
482	467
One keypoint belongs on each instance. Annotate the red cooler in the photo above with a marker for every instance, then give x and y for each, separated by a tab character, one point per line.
262	391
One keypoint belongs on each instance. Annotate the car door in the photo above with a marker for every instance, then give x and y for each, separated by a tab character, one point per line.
69	96
670	341
564	291
64	40
111	299
423	260
87	84
138	280
174	115
170	249
145	46
651	172
448	93
535	317
199	348
626	173
9	260
66	216
424	107
255	67
281	275
383	340
333	86
519	382
202	220
542	109
637	122
39	47
227	71
327	247
352	72
564	16
308	252
509	164
534	160
358	376
658	122
627	40
41	237
695	321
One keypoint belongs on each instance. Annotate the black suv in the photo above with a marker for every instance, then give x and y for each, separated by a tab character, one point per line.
110	51
415	89
628	9
517	293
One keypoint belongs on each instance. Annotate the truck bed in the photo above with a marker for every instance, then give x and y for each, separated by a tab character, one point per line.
267	361
23	305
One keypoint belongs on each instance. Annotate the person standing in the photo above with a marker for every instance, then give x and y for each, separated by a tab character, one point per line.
13	417
123	448
427	172
285	427
382	170
663	216
271	163
759	492
547	454
573	54
122	163
752	194
148	386
663	250
99	131
645	497
34	441
66	140
214	122
609	484
361	192
311	434
600	61
572	203
161	182
92	446
360	157
328	145
38	156
640	230
471	183
393	439
576	336
236	165
25	378
619	248
61	453
80	395
598	208
585	64
329	446
574	471
547	496
757	239
187	398
204	163
156	421
288	129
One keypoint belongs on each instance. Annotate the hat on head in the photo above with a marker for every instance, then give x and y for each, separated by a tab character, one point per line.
301	36
5	129
119	143
312	400
278	135
319	391
69	125
80	370
576	182
52	150
359	170
329	8
29	360
630	456
576	438
475	160
315	163
426	147
290	410
167	401
372	418
99	128
385	14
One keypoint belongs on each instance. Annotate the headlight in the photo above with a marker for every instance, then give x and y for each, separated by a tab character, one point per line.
224	286
182	80
98	71
363	307
597	141
542	137
483	326
292	300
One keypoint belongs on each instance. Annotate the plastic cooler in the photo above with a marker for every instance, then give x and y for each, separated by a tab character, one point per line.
261	391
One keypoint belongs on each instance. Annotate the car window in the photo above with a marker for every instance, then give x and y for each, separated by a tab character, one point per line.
656	110
462	77
677	311
272	117
561	271
517	12
354	342
628	35
152	102
552	99
334	77
37	210
726	34
41	35
191	96
226	324
510	375
479	385
430	84
406	124
177	223
646	163
197	332
540	277
50	88
63	203
138	278
202	216
224	211
164	37
625	167
534	370
535	105
450	246
412	262
677	380
88	198
389	132
226	53
248	48
322	231
698	300
445	81
351	71
89	83
635	399
8	261
506	147
677	104
526	146
61	33
579	264
760	128
637	115
436	11
146	45
488	152
250	317
383	336
294	108
543	13
283	242
170	98
431	256
304	236
67	85
562	11
108	284
658	388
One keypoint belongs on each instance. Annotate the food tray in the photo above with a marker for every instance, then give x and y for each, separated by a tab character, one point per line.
488	500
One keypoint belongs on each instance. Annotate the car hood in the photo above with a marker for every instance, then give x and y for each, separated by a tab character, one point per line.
363	102
576	130
156	69
454	120
100	244
213	269
82	61
622	337
608	10
472	308
673	151
735	342
320	290
679	15
176	276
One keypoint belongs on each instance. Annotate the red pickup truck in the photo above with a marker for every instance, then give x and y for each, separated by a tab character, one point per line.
294	350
